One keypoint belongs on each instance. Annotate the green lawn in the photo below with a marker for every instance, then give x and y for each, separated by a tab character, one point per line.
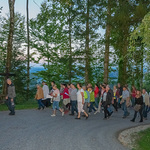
26	105
143	142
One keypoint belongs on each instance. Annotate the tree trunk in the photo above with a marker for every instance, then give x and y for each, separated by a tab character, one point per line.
107	43
10	43
70	45
87	49
142	64
28	52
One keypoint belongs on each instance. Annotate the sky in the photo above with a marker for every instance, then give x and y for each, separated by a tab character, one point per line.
20	6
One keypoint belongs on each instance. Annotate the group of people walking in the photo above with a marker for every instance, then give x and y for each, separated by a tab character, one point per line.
86	99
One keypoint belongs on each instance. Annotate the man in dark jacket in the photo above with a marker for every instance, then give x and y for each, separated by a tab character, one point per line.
106	101
10	97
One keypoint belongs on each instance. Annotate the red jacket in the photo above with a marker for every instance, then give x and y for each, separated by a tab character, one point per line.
65	93
96	92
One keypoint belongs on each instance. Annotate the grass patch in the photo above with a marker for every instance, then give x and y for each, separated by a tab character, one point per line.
26	105
143	140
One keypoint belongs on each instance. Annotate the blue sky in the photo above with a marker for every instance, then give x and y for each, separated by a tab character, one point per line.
20	6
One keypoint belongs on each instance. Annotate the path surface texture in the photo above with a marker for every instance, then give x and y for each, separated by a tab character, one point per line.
37	130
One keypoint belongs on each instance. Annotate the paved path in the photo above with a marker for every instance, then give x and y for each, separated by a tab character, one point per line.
37	130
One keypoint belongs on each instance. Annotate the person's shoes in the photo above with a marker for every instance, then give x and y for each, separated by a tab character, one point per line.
128	114
11	114
124	117
77	118
105	118
132	120
63	113
43	108
141	121
87	117
53	115
71	114
95	112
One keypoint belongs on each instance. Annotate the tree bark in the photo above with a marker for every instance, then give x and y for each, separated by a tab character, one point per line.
28	51
87	49
107	43
70	45
10	43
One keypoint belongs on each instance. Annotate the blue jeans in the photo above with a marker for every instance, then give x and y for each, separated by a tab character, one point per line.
91	107
96	102
124	108
40	103
74	107
145	111
10	105
56	105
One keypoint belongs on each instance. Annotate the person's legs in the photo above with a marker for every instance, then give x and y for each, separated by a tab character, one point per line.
73	107
125	109
96	102
105	111
79	109
41	104
135	114
133	101
141	115
115	104
85	107
11	106
93	106
145	110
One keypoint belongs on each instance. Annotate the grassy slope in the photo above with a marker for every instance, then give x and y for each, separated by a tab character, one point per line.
143	142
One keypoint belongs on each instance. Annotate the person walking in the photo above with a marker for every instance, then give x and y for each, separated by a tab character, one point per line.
125	102
106	101
103	90
116	96
66	98
133	94
96	95
10	98
56	100
138	106
92	100
39	96
146	103
73	98
86	98
80	100
46	99
120	90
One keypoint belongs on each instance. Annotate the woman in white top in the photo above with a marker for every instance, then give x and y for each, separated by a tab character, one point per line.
80	100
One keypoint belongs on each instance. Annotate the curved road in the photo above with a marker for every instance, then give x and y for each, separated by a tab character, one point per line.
37	130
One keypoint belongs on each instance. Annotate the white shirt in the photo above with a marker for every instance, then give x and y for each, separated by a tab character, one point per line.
79	96
45	91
